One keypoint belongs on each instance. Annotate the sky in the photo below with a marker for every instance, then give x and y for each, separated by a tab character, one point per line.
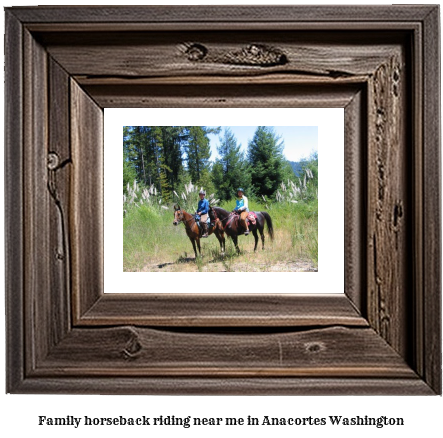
299	141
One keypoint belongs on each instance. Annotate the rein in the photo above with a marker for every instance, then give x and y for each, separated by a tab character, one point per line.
230	216
185	221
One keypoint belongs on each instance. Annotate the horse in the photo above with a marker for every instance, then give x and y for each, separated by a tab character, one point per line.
231	225
193	230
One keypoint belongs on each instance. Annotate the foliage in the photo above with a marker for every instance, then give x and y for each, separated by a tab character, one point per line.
156	154
312	164
164	166
230	171
198	153
129	174
137	196
168	158
188	199
152	243
265	156
305	187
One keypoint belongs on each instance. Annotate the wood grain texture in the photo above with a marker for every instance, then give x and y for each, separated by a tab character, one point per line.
129	351
388	204
231	95
86	196
432	334
226	386
355	187
64	65
417	357
161	54
59	167
240	310
262	79
14	239
38	309
222	14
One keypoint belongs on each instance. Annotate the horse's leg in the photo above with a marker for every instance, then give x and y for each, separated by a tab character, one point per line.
220	240
218	237
223	240
195	249
235	240
254	232
262	235
199	249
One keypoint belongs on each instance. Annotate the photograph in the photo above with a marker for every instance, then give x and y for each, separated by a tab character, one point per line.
220	198
334	266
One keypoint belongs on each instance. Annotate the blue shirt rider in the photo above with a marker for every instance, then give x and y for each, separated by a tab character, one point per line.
202	211
242	207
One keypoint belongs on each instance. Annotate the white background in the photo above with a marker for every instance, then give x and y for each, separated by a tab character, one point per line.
18	413
330	122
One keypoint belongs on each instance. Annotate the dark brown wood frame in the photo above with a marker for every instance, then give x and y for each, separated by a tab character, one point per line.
64	65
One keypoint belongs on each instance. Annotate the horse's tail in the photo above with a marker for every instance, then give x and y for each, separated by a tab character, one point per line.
269	224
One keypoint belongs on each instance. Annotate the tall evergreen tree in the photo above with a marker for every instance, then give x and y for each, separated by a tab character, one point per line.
156	155
139	141
198	153
265	156
174	138
230	171
161	168
129	173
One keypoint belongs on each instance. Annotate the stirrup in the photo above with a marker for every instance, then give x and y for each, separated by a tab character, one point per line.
246	232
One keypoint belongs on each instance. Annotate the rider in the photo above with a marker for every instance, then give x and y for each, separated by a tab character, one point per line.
202	211
241	207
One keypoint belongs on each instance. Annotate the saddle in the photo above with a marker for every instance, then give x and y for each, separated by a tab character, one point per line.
252	217
208	222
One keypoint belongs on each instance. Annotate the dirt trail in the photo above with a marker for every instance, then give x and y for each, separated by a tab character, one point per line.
189	265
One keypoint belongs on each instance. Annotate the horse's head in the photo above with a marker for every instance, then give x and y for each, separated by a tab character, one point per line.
212	214
178	214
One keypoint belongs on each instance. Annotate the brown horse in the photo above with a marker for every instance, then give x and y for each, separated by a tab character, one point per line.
231	225
193	230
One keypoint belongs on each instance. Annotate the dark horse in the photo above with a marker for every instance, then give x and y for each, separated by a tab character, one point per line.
193	230
231	225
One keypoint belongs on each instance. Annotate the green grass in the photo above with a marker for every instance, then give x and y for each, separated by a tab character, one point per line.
152	243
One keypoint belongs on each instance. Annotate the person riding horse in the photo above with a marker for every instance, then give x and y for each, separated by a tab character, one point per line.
241	207
202	211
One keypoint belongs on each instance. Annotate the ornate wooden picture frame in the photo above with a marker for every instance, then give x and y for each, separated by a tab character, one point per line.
65	64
